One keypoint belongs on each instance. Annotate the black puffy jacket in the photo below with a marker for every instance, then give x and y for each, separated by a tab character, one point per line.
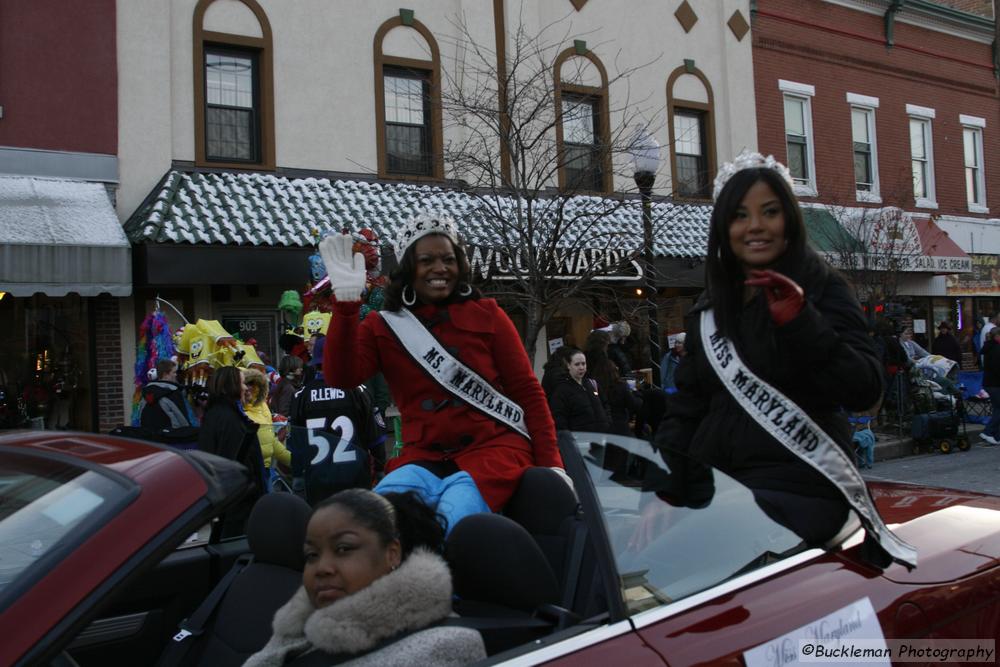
823	360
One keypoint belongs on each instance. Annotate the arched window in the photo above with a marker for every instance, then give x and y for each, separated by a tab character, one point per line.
408	101
582	127
233	85
691	122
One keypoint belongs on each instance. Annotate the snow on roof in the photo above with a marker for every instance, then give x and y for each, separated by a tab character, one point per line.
262	209
57	212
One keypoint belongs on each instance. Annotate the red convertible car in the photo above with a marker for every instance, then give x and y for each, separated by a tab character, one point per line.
101	557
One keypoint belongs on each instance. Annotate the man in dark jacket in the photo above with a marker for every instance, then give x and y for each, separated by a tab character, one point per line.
163	405
946	344
332	433
991	383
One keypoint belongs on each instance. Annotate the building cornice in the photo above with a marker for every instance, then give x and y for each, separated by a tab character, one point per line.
930	16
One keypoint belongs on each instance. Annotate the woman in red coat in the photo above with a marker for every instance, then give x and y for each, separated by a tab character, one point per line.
491	427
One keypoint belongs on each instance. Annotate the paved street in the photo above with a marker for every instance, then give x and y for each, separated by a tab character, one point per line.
975	470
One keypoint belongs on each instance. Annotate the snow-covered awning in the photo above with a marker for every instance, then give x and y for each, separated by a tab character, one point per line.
58	237
266	210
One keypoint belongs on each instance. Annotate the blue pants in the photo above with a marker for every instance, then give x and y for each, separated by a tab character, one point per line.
454	497
993	428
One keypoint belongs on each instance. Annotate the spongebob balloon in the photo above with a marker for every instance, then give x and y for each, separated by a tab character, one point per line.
315	323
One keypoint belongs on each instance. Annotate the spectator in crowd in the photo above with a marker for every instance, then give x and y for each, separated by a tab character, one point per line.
620	402
620	331
255	405
227	431
912	348
946	344
669	363
291	371
333	436
576	402
163	404
991	383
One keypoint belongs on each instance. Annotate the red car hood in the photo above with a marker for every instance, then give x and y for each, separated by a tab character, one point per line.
956	533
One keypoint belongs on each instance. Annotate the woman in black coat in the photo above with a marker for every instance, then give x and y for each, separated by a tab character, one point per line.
227	431
575	401
619	401
797	325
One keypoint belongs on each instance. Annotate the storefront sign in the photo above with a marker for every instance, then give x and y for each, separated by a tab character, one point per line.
983	278
608	264
260	328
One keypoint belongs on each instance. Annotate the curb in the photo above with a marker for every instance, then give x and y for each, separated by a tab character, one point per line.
893	446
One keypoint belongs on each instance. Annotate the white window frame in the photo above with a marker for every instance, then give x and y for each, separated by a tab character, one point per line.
977	125
804	92
868	105
925	115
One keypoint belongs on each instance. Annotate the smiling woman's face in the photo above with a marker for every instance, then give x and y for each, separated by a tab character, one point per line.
757	231
343	556
436	273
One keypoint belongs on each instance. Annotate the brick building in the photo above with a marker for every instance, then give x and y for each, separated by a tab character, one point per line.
65	263
886	109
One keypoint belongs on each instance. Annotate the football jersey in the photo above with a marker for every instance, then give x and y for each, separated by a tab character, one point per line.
331	431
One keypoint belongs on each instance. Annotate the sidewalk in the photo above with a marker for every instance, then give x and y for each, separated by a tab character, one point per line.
890	445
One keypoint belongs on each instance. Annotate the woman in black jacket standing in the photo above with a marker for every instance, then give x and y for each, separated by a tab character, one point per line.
575	402
776	313
227	431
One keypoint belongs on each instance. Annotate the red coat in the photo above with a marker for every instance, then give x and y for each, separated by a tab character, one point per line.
480	335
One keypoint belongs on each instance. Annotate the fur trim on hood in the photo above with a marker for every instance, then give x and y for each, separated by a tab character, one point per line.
257	383
414	596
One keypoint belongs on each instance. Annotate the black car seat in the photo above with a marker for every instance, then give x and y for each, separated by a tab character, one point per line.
503	582
240	624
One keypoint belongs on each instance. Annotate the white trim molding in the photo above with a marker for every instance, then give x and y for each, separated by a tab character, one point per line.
971	121
862	100
923	112
796	88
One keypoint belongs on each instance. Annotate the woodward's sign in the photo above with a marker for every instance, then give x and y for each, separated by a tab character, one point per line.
599	263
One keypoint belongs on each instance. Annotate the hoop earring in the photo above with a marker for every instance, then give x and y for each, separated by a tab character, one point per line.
413	299
465	289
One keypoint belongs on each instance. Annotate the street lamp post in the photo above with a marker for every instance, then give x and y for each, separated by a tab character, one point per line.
646	160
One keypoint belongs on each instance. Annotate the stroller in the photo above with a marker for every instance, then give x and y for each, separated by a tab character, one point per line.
938	407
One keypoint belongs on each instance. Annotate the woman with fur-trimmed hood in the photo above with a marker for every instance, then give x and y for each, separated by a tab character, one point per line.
255	405
374	591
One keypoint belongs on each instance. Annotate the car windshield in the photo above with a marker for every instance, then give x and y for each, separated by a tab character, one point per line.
676	527
46	505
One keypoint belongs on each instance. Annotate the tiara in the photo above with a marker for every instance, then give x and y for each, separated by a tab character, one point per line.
748	160
422	225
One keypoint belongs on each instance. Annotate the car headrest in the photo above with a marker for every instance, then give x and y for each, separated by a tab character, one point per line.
276	529
494	559
542	502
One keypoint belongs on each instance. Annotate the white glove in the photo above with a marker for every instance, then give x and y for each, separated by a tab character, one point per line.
347	274
564	477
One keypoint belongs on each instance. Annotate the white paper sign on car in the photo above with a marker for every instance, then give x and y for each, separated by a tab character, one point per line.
856	621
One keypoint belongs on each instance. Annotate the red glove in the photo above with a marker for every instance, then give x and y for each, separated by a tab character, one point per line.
784	296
